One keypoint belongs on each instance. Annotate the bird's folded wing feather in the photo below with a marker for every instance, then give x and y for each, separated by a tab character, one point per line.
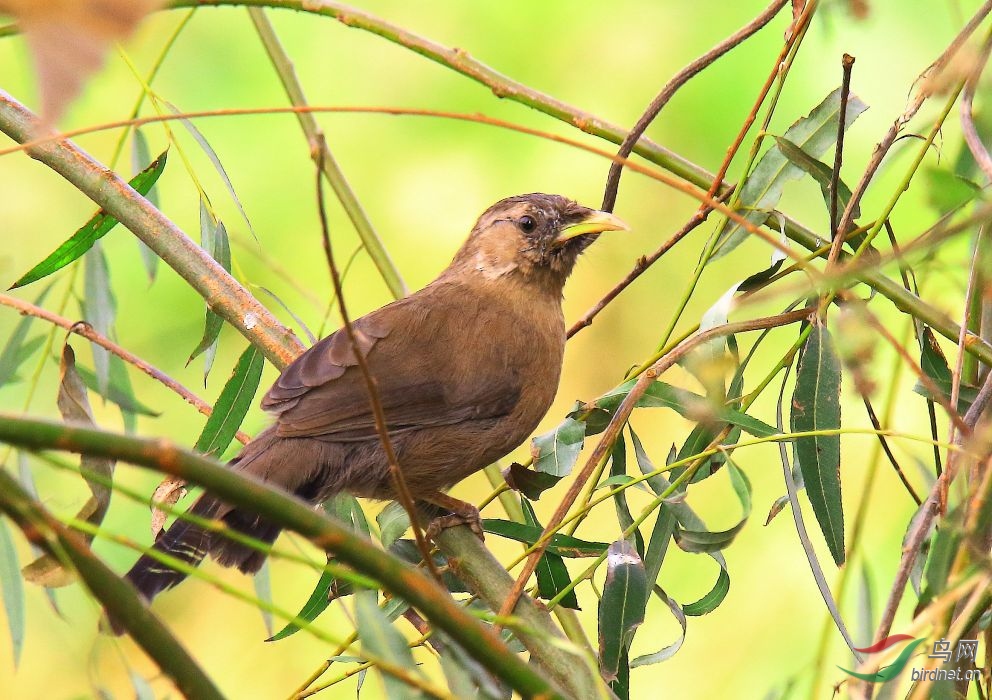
421	379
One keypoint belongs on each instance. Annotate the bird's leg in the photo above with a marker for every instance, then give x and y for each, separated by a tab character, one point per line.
459	513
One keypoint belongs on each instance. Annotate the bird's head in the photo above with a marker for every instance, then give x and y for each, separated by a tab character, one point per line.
534	236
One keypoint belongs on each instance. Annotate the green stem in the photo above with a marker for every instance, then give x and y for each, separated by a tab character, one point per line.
322	155
396	576
119	598
228	298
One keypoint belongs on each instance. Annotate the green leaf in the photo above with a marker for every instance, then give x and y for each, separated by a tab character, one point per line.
621	609
934	365
13	590
232	405
556	451
562	545
116	393
816	406
552	574
94	229
947	191
381	638
467	678
529	482
14	352
211	154
214	240
618	469
672	649
762	190
819	171
315	605
393	521
711	601
661	395
140	154
620	480
407	550
262	581
100	310
702	540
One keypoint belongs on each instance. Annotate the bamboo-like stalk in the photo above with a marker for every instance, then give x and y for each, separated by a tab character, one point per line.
395	575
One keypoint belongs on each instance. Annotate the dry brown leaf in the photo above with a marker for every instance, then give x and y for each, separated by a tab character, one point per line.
168	492
68	39
74	405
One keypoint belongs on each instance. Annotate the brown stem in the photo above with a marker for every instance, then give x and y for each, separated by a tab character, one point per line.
914	106
86	331
847	63
975	145
402	490
673	85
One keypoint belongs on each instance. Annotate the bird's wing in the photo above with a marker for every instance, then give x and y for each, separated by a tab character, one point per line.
422	373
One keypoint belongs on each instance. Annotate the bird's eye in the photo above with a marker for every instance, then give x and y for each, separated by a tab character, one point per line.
527	224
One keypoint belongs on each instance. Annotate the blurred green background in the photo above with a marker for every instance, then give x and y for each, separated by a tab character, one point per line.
423	181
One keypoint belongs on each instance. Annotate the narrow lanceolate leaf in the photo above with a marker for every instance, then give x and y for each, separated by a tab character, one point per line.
140	154
815	407
819	171
662	395
702	540
552	574
262	581
214	240
393	521
117	392
201	140
317	602
556	451
383	640
15	350
232	405
672	649
12	590
762	190
74	406
562	545
93	230
934	365
329	588
621	609
100	310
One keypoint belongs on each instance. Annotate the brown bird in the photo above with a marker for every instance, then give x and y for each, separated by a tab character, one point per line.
465	369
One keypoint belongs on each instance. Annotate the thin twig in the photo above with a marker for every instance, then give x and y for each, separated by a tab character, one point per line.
888	451
673	85
87	331
914	106
402	490
321	155
847	63
617	422
975	145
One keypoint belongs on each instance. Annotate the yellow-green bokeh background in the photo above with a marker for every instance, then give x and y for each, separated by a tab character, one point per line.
423	181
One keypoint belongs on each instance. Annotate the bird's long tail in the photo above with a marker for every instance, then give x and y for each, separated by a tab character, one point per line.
190	543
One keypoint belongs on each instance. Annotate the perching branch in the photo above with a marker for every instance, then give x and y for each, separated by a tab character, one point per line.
395	575
87	331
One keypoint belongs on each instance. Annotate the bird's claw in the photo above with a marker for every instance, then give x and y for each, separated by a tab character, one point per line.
467	516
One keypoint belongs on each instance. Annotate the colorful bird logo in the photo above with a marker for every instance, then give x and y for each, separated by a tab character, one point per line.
887	673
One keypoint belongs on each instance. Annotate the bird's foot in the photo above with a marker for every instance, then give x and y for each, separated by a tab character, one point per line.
460	513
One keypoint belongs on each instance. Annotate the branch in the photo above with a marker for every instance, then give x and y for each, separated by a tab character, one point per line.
118	199
678	80
119	598
321	155
87	331
395	575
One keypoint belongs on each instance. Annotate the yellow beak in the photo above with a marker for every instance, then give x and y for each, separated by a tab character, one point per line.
595	222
